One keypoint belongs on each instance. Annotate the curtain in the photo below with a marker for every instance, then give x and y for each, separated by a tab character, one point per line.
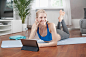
67	9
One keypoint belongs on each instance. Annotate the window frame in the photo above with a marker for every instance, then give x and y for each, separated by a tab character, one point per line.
50	7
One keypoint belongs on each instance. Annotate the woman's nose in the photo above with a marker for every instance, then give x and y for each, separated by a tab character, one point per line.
43	19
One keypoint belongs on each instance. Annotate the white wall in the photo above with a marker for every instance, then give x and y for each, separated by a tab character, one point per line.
75	23
31	18
52	16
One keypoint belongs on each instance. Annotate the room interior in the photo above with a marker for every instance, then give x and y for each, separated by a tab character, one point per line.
75	18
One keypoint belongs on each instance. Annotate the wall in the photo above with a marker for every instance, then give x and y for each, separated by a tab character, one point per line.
75	24
77	8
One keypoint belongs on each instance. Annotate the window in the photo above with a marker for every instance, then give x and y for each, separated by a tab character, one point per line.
56	3
41	3
49	4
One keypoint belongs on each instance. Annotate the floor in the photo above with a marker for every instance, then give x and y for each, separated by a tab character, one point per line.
75	50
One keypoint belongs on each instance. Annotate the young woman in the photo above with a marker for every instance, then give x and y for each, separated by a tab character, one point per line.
47	31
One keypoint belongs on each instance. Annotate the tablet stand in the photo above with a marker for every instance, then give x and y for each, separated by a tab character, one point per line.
29	48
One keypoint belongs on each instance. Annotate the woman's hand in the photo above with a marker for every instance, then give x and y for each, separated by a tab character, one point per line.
34	30
35	25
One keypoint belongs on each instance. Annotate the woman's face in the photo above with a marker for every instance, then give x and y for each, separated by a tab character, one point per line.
42	18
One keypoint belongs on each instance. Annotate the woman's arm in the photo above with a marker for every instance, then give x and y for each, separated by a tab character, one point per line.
55	37
33	30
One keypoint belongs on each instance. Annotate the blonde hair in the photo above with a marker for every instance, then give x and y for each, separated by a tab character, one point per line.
40	11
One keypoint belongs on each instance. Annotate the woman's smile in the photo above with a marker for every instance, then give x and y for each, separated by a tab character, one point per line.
43	22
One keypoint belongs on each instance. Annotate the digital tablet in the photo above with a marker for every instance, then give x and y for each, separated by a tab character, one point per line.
29	42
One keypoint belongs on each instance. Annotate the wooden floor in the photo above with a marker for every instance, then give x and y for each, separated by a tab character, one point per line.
74	50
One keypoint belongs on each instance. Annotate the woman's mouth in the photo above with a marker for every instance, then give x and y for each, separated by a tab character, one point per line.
42	22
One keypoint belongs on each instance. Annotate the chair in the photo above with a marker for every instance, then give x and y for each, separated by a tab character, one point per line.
82	24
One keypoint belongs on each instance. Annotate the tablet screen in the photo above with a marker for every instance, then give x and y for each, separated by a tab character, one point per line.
32	43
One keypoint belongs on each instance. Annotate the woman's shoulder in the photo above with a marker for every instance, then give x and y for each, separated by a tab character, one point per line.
51	26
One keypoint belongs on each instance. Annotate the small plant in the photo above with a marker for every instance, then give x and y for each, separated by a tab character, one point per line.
23	7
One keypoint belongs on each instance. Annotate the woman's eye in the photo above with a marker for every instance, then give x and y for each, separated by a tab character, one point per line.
40	17
44	17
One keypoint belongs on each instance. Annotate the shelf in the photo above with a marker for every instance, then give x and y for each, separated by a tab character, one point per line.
5	32
10	26
5	25
3	20
4	29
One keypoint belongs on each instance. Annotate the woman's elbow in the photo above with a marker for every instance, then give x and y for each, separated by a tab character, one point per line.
55	44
